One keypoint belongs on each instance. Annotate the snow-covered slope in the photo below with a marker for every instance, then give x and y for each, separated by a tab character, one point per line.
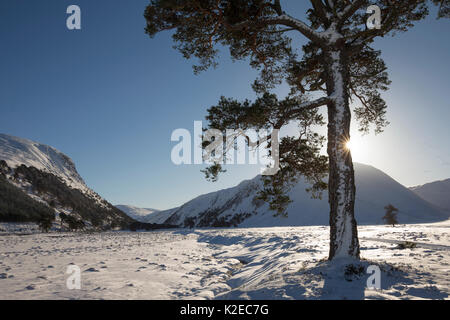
50	177
236	206
159	216
138	214
17	151
437	193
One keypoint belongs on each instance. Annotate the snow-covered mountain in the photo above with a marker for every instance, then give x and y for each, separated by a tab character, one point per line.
138	214
437	193
237	206
49	177
18	151
146	215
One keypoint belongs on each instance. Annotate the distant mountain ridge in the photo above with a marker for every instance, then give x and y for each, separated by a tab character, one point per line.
138	214
237	206
437	193
32	174
49	177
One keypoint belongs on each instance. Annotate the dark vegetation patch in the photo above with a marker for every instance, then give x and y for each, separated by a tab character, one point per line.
17	206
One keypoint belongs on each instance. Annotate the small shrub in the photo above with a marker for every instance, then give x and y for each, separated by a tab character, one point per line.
406	245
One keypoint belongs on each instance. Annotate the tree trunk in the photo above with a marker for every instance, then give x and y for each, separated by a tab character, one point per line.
344	241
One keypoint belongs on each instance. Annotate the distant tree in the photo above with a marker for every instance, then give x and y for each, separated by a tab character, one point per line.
45	223
3	168
96	222
114	225
391	215
72	223
62	219
338	65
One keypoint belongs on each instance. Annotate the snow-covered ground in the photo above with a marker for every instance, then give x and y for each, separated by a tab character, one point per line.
253	263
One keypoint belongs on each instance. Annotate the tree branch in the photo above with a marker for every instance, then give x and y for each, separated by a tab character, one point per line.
299	25
303	107
313	104
277	7
319	8
349	11
288	21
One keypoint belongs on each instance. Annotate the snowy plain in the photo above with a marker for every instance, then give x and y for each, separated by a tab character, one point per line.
239	263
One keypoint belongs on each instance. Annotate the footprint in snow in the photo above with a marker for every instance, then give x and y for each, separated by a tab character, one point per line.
99	289
91	270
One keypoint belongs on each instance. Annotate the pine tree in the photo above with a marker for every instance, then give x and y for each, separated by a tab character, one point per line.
391	215
45	222
338	64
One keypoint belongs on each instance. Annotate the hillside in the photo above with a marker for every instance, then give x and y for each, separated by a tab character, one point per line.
437	193
18	151
48	177
17	206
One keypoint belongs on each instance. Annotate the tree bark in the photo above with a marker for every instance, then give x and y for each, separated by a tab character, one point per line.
344	241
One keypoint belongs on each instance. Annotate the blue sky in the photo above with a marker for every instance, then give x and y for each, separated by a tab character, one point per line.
109	97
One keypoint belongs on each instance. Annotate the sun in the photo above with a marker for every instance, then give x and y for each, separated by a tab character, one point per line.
349	145
358	149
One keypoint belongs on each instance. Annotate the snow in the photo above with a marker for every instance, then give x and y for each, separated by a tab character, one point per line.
18	151
304	211
138	214
18	228
240	263
331	35
159	216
